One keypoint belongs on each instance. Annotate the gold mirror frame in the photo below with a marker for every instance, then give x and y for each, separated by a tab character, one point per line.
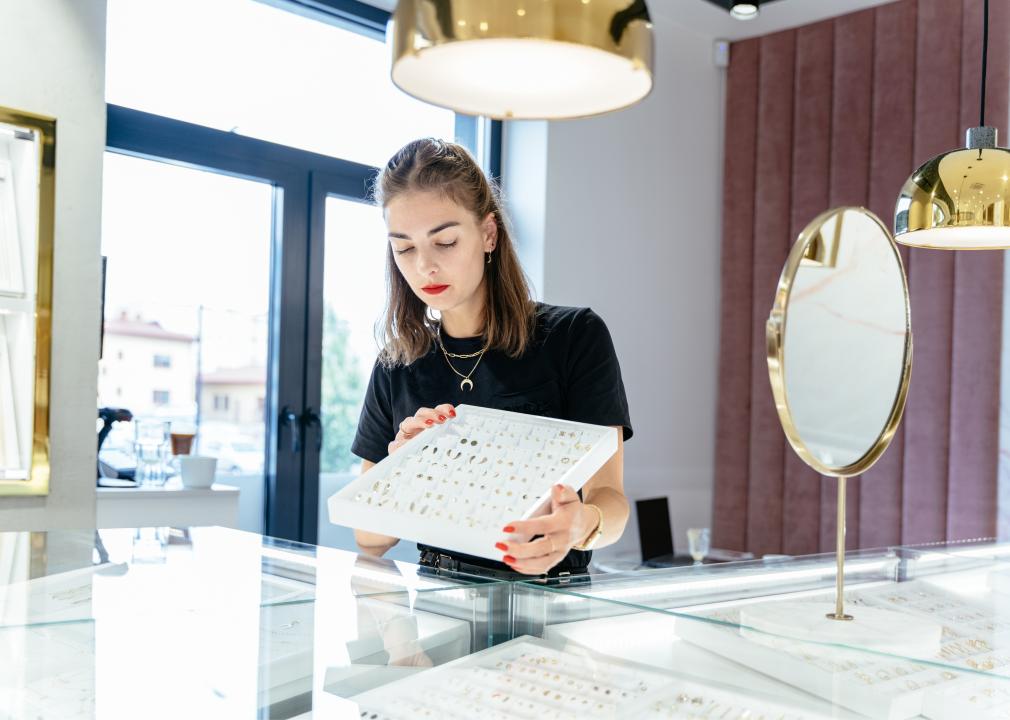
812	247
39	462
775	334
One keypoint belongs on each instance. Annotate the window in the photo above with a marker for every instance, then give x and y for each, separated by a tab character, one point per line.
266	166
168	233
329	87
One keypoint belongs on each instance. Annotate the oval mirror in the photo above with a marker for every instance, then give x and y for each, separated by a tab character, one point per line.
840	342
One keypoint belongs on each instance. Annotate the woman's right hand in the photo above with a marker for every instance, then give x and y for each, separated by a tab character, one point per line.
423	419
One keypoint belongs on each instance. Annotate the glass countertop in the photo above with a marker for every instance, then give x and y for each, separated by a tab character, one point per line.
930	634
220	623
211	622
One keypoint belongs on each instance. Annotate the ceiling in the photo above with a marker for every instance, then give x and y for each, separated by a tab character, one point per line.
706	18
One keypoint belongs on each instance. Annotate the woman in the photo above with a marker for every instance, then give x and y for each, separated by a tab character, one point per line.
493	346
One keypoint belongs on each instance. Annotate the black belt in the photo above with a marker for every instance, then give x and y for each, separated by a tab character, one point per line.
441	561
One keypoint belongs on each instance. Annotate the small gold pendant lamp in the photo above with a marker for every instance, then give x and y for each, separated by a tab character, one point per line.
959	200
523	59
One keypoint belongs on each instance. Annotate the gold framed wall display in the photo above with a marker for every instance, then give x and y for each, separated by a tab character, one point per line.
27	216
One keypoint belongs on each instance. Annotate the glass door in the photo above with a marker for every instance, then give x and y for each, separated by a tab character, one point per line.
346	305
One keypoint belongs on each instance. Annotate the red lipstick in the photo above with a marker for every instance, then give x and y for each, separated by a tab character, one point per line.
434	289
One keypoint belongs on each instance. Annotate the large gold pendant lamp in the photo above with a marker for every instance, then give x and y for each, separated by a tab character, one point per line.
959	200
523	59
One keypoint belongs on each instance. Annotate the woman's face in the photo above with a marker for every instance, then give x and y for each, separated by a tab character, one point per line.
439	248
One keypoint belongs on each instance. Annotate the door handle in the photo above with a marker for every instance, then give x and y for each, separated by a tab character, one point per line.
311	419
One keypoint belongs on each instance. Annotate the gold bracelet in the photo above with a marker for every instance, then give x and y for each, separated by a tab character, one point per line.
597	531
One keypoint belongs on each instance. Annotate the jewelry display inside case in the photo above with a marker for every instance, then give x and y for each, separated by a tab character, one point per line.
27	186
713	623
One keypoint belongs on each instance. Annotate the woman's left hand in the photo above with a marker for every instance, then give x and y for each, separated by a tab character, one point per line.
563	527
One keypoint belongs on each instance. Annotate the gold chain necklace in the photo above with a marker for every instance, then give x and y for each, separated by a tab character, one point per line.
466	383
467	356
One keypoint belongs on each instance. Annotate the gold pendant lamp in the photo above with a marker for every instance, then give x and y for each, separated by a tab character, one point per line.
959	200
523	59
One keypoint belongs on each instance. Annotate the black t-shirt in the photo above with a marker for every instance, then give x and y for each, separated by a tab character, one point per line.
569	371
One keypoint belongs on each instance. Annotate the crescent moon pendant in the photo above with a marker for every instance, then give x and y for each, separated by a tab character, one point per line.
467	384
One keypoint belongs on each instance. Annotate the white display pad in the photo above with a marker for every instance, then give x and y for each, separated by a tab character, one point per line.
872	628
693	700
456	485
651	638
523	678
999	580
977	698
535	679
975	637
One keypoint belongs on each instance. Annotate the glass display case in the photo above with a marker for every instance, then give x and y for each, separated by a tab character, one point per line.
931	635
210	622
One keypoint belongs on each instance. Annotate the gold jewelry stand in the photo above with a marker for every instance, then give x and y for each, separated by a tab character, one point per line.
839	613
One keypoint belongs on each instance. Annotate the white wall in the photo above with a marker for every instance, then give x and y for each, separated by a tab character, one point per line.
53	52
632	228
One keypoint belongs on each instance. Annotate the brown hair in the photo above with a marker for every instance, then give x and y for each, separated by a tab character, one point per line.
430	164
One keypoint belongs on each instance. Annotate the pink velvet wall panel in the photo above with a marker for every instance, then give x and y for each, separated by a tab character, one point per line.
811	162
978	283
931	282
840	113
771	245
732	461
892	119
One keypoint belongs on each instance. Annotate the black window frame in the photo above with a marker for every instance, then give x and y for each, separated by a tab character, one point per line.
291	469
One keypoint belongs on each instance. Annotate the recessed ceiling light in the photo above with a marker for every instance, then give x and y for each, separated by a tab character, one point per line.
744	9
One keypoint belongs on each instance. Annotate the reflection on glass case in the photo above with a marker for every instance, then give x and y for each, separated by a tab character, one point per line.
945	654
210	622
27	167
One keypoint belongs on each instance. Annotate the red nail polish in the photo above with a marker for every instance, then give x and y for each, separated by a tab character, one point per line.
509	559
441	417
508	528
429	422
501	546
452	413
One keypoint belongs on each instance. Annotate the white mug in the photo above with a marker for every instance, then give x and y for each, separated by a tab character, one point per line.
197	471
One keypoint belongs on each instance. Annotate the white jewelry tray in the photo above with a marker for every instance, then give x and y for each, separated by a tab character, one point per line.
520	679
528	677
456	485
